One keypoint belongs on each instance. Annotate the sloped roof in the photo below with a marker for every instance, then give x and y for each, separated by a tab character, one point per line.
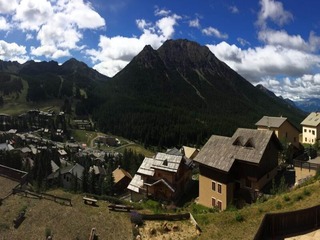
97	170
161	181
313	119
136	183
75	170
54	166
246	145
145	167
189	152
167	162
174	151
6	147
273	122
119	174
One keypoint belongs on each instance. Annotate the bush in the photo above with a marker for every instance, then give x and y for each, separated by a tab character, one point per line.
286	198
136	218
278	205
239	217
306	192
48	232
298	197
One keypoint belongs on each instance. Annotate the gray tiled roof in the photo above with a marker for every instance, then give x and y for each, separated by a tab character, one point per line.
274	122
75	170
312	120
246	145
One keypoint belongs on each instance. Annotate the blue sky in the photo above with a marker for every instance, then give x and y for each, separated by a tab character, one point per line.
269	42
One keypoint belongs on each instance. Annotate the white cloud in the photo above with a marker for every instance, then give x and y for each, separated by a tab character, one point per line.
166	25
256	63
58	25
32	14
194	23
282	38
3	24
234	9
243	42
82	14
12	52
210	31
161	12
8	6
273	10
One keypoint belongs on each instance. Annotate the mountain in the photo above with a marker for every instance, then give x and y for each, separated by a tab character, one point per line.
181	94
309	105
47	80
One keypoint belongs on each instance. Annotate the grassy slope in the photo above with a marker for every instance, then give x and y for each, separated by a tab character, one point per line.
65	222
15	106
225	226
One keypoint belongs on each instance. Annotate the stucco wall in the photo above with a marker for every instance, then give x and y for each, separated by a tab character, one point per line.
206	193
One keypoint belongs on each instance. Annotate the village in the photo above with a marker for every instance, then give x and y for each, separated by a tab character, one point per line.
226	171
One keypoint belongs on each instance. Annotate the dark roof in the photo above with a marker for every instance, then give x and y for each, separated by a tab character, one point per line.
274	122
246	145
174	151
75	170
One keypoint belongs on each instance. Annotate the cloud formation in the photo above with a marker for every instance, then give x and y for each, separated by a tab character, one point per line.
211	31
57	25
284	63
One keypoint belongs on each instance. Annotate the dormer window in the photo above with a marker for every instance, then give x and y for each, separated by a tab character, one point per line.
238	141
165	162
249	143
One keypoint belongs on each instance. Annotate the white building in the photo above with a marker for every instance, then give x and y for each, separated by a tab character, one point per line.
311	128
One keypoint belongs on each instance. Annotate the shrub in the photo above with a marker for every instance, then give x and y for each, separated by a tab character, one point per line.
278	205
136	218
286	198
239	217
306	192
48	232
298	197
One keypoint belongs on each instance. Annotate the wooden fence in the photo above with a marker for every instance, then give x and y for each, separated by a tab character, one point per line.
44	196
306	165
279	225
168	217
14	174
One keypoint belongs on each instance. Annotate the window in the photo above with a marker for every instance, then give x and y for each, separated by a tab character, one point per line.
213	186
305	139
309	131
286	135
213	202
305	130
313	132
248	183
219	188
311	140
220	205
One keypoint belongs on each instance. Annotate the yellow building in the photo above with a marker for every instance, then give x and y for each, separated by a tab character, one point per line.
282	127
236	167
311	128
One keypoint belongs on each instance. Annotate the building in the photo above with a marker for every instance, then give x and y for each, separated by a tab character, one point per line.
71	174
190	152
162	177
236	167
282	127
311	128
121	179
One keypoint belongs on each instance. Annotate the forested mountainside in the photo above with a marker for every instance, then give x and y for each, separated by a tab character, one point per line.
178	94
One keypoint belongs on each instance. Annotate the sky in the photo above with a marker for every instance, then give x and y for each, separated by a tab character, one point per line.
270	42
